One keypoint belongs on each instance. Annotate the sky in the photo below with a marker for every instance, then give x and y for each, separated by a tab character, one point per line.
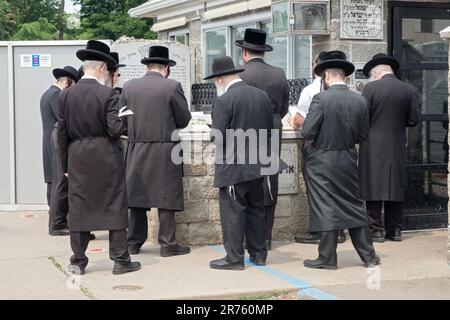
70	8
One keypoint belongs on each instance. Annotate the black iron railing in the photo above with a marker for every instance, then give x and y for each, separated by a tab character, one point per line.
203	94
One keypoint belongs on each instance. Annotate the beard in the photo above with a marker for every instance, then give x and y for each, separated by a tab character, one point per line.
220	91
102	80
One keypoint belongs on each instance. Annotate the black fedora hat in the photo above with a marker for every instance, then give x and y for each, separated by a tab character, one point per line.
381	58
255	40
114	66
81	72
67	71
334	59
95	51
159	55
223	67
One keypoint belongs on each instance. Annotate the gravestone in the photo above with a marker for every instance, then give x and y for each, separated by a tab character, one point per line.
132	51
362	19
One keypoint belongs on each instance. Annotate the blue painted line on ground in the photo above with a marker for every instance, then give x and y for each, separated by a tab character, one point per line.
305	289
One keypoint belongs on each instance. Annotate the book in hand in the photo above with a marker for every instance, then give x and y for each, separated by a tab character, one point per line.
125	113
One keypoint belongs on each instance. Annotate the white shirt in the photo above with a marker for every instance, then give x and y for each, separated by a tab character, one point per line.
86	76
231	83
307	96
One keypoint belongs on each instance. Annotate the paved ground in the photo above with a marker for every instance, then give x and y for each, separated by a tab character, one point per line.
33	264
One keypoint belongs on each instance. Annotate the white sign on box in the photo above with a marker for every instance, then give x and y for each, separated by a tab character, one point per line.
36	60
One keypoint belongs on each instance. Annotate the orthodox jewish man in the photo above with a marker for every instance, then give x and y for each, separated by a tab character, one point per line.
338	119
65	77
393	106
114	71
153	179
245	109
92	158
273	81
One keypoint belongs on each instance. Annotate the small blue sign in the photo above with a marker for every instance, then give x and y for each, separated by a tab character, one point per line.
36	60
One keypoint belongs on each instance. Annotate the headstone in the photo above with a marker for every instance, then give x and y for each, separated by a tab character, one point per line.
362	19
132	51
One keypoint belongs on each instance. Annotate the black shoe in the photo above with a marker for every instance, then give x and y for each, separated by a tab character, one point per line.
308	238
223	264
175	250
377	236
91	236
258	261
134	251
396	235
372	263
318	264
76	270
269	245
122	269
341	236
59	233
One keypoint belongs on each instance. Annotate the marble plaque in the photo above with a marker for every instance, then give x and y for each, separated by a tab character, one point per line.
362	19
289	178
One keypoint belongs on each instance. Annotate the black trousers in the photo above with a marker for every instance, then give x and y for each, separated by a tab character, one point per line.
242	214
361	239
138	227
49	193
118	249
393	215
270	220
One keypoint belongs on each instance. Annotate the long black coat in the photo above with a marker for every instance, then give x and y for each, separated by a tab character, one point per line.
241	107
49	114
92	154
337	121
160	108
394	106
273	81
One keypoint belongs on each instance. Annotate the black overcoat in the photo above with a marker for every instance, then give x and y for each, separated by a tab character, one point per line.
49	115
273	81
92	154
160	107
337	121
393	106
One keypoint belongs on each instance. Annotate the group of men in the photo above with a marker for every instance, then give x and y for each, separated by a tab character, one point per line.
103	190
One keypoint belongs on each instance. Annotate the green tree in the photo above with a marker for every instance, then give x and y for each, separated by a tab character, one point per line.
37	30
109	19
7	20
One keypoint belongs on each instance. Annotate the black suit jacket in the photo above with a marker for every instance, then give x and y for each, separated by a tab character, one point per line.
241	107
272	80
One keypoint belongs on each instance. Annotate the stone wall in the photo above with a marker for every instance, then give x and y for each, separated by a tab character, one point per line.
199	224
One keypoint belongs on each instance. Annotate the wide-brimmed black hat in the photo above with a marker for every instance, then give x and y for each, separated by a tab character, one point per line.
223	67
255	40
96	51
81	72
67	71
159	55
114	66
335	59
381	58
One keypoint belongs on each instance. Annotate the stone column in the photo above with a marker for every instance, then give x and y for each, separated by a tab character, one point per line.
445	34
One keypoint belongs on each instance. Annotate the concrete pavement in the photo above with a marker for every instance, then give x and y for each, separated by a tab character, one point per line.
33	264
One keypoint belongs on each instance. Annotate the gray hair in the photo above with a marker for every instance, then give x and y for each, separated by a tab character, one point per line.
380	69
155	66
92	65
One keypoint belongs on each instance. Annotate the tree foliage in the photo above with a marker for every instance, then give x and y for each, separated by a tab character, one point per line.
43	20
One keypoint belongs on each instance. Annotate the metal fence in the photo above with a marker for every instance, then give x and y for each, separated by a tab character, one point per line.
204	94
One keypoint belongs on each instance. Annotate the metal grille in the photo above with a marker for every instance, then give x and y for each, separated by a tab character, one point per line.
204	94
